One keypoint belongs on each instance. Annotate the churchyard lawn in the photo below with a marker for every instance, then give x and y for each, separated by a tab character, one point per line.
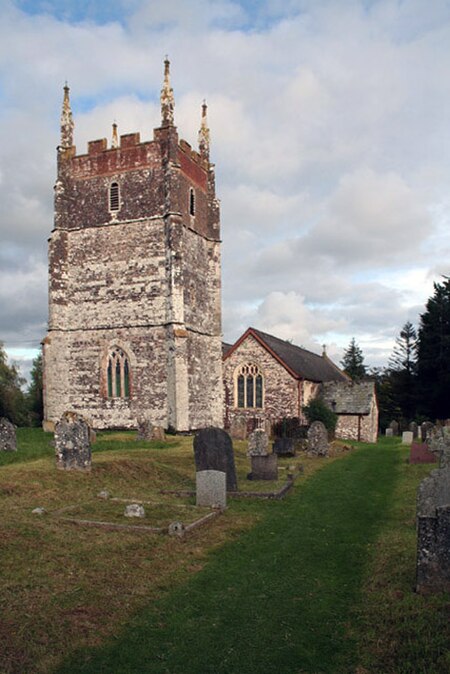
319	582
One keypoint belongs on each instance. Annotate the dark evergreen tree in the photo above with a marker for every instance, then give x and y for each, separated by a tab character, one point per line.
35	400
353	361
403	369
433	355
387	405
12	400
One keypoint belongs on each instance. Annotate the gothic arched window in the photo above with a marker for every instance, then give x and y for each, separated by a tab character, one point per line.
249	386
118	374
114	197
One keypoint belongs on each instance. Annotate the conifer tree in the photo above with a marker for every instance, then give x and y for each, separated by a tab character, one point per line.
403	369
433	361
353	361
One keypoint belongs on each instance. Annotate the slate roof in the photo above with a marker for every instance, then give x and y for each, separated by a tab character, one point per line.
305	364
225	348
349	397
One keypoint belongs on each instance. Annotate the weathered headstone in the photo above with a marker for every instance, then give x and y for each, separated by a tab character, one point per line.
258	443
433	532
395	427
211	488
284	446
389	432
8	440
407	437
147	431
414	429
264	467
439	444
238	428
421	454
134	510
213	450
72	444
425	430
317	439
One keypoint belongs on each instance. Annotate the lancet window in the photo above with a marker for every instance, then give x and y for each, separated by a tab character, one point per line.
249	386
114	197
118	374
191	201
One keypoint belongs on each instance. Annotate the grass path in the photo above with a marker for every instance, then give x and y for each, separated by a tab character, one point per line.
278	599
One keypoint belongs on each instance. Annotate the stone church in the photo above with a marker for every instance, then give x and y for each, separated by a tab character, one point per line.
135	295
135	280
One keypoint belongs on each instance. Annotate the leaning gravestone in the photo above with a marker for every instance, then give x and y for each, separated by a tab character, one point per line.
395	427
258	443
317	439
213	450
264	467
211	488
284	447
8	440
72	443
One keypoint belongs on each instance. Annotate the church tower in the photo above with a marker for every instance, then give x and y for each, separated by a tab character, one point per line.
134	280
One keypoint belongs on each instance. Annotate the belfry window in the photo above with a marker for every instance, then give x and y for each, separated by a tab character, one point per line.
249	387
114	197
191	201
118	374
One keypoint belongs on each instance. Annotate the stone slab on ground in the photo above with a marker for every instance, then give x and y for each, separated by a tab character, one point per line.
211	488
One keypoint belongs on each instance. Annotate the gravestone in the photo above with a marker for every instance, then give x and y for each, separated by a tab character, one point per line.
407	437
439	444
258	443
264	467
238	428
147	431
395	427
414	429
389	432
284	447
211	488
72	443
317	439
213	450
425	430
8	439
433	532
421	454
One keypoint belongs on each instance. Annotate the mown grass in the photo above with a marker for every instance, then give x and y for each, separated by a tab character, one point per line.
320	582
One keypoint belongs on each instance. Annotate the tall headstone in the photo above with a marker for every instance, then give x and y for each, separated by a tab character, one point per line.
395	427
414	429
211	488
72	443
213	450
317	439
8	440
258	443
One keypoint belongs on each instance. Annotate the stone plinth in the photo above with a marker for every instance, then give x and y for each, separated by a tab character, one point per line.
264	467
8	440
72	443
213	450
211	488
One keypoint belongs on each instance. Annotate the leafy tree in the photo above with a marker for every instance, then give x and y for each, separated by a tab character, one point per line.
353	361
403	369
35	400
433	355
317	410
12	401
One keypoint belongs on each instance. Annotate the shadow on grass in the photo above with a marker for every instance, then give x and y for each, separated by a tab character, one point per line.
279	599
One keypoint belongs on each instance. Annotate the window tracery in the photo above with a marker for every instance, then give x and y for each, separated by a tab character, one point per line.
249	386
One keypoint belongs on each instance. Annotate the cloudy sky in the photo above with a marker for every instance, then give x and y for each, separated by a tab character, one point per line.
330	124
